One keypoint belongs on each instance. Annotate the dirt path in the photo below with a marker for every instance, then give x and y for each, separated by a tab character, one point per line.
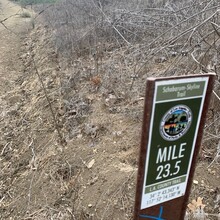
12	29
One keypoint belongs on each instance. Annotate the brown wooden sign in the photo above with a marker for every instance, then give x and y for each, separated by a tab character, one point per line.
174	117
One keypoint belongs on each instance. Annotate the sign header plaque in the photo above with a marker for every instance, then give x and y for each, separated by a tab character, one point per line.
175	109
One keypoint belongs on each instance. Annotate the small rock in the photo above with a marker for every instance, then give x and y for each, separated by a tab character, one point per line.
90	205
79	136
196	182
213	172
90	164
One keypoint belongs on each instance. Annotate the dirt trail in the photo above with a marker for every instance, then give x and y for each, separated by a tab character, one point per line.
12	30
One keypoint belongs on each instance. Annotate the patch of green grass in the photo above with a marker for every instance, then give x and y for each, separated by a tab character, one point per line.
33	2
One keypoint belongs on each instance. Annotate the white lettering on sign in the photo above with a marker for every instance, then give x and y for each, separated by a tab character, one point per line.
193	86
170	153
167	154
174	89
181	94
181	89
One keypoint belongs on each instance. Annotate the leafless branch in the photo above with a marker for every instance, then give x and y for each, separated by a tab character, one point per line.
49	103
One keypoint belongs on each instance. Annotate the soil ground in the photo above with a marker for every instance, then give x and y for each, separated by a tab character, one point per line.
93	174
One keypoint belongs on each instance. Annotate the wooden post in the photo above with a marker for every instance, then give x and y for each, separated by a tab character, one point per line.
174	118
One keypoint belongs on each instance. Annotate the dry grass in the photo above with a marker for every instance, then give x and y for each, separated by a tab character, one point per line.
94	71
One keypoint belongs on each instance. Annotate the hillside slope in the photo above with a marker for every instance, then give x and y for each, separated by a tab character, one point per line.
82	165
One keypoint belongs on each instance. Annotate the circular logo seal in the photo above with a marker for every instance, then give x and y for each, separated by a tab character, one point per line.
176	122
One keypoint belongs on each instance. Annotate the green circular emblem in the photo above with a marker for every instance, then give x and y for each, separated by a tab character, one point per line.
176	122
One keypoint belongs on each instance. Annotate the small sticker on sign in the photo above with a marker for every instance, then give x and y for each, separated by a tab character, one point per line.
176	122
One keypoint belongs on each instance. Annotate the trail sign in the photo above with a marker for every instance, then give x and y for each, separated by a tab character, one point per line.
175	110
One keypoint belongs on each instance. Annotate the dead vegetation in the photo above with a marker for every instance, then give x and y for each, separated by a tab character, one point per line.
120	44
112	47
92	59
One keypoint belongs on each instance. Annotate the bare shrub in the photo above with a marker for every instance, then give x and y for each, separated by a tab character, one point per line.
123	42
78	26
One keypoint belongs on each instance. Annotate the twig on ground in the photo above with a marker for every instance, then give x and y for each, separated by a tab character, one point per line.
62	141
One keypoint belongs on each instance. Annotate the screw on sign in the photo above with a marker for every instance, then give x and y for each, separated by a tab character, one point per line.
174	118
